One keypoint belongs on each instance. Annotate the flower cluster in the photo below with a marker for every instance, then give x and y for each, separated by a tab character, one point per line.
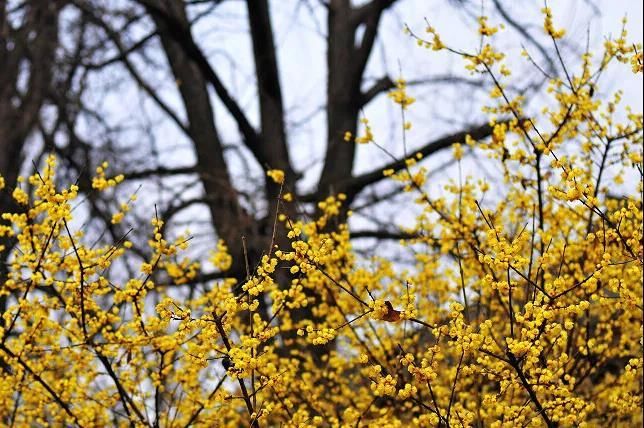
518	307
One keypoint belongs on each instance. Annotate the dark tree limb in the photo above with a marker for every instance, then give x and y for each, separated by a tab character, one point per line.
179	32
273	134
123	54
379	86
354	185
160	171
370	15
363	13
383	234
521	29
192	72
385	83
346	64
33	46
361	181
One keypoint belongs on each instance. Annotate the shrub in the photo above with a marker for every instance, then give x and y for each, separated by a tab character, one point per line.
524	308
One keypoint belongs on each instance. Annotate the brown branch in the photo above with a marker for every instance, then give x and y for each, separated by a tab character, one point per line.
369	15
383	234
363	13
81	269
381	85
181	34
224	337
521	29
202	405
160	171
385	83
533	396
271	108
358	183
124	396
122	54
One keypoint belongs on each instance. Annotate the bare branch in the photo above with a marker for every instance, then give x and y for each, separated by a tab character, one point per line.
182	35
160	171
357	183
385	83
123	54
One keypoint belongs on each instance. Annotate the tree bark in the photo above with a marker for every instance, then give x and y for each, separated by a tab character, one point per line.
229	219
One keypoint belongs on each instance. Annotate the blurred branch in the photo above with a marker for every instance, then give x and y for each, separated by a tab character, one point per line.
182	36
160	172
123	54
271	108
359	182
386	83
521	29
363	13
383	234
369	15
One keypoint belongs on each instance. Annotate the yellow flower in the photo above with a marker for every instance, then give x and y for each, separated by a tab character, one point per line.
457	151
277	175
399	96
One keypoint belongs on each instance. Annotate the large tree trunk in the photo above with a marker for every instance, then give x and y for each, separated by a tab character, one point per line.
229	219
343	95
346	61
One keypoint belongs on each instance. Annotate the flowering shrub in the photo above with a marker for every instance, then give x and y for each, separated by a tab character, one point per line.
522	312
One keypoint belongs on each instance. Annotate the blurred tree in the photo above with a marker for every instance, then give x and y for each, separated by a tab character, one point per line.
67	62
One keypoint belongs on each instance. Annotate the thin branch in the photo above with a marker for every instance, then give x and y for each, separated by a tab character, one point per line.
359	182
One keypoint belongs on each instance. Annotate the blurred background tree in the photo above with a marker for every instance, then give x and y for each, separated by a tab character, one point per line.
195	100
